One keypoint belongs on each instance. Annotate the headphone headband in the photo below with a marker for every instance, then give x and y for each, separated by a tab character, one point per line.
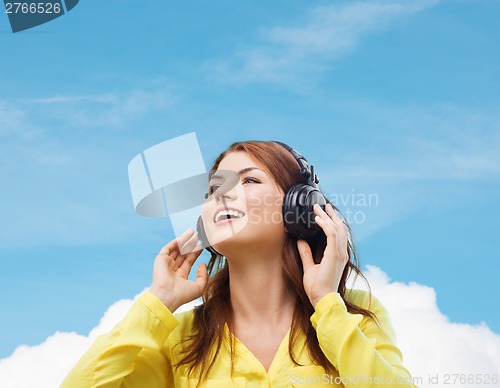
305	170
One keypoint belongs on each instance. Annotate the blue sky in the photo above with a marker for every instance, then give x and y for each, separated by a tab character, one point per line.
395	99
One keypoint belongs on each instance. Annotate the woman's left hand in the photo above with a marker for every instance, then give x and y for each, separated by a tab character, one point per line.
321	279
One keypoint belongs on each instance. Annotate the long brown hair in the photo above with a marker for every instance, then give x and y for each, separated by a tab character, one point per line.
215	312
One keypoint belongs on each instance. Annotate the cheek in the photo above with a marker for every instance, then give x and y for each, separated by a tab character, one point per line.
262	199
207	211
264	207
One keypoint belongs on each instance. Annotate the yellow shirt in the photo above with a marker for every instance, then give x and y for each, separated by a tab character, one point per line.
139	352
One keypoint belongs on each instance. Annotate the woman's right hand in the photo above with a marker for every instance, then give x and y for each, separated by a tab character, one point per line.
171	270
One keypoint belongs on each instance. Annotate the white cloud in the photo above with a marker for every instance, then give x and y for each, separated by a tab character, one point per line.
15	122
10	117
106	109
431	344
286	54
49	362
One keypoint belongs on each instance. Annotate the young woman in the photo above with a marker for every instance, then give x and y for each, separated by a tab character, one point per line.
276	309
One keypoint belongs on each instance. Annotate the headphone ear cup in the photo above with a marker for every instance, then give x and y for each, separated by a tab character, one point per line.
298	213
200	230
202	236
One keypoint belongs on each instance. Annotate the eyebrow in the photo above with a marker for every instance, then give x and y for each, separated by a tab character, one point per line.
243	171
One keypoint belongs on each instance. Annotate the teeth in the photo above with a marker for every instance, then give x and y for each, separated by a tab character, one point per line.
222	215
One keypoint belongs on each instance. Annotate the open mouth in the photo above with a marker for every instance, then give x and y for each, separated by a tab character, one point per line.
228	214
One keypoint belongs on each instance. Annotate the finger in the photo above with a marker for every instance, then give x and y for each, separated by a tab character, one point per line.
187	264
202	276
341	243
341	226
164	261
198	247
169	249
172	248
336	240
321	213
305	254
189	245
185	237
327	225
318	209
330	222
171	264
336	235
333	214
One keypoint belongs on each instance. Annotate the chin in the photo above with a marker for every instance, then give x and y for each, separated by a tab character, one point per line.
250	239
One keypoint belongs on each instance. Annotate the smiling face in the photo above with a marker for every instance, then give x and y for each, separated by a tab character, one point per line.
245	204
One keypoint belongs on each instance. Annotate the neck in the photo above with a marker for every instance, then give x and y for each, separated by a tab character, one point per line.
258	292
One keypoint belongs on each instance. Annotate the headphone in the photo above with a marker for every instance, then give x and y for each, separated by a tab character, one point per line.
297	211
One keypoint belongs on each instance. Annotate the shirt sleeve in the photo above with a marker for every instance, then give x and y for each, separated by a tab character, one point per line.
130	354
364	353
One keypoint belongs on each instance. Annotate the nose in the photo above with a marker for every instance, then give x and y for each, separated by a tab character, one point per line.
225	183
228	191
